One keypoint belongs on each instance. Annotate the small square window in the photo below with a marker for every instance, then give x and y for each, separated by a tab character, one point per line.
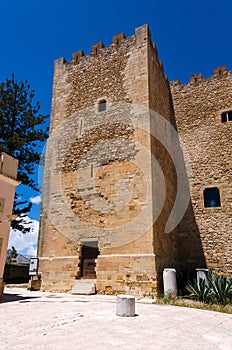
226	117
230	116
212	197
223	118
102	106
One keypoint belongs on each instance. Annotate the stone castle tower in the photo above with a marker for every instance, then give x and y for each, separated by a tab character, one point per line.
116	196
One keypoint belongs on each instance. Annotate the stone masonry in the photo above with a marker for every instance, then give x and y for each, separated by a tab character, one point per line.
207	142
111	179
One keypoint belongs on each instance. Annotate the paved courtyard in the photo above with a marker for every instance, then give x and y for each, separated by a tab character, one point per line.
55	321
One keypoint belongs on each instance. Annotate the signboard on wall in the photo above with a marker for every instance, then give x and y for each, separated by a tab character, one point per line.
2	203
33	267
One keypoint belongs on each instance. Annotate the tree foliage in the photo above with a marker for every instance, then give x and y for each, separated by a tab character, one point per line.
11	254
21	135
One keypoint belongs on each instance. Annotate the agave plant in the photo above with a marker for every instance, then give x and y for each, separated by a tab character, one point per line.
221	288
199	290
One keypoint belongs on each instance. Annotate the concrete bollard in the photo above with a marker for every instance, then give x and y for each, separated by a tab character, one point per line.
125	305
169	279
202	274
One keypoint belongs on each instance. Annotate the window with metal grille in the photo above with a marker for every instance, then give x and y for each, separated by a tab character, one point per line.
226	117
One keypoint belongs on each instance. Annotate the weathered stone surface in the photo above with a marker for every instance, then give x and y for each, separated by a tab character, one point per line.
99	151
84	287
109	177
207	142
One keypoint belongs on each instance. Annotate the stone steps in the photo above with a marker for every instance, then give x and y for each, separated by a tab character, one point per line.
84	287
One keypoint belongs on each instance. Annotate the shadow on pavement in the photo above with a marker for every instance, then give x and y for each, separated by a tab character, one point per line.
7	298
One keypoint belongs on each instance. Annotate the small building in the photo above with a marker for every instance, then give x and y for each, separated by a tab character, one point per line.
8	183
22	260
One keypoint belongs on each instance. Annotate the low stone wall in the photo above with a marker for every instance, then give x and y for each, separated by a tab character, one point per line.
58	274
16	273
1	286
127	273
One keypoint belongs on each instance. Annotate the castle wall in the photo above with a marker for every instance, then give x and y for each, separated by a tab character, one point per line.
99	173
115	175
207	141
165	244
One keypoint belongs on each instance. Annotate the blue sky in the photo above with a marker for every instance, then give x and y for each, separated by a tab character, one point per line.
191	36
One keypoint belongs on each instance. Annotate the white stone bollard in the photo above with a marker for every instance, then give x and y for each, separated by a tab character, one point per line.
169	279
125	305
202	274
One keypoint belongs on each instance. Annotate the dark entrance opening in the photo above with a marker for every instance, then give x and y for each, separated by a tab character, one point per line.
90	252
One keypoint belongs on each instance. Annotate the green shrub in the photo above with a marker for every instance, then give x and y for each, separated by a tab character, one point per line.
221	288
214	289
199	290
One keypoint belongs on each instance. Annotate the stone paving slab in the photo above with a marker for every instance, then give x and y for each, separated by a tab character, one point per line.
59	321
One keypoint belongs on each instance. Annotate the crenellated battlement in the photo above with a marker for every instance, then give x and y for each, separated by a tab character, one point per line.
197	79
142	34
141	37
96	50
76	56
117	41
